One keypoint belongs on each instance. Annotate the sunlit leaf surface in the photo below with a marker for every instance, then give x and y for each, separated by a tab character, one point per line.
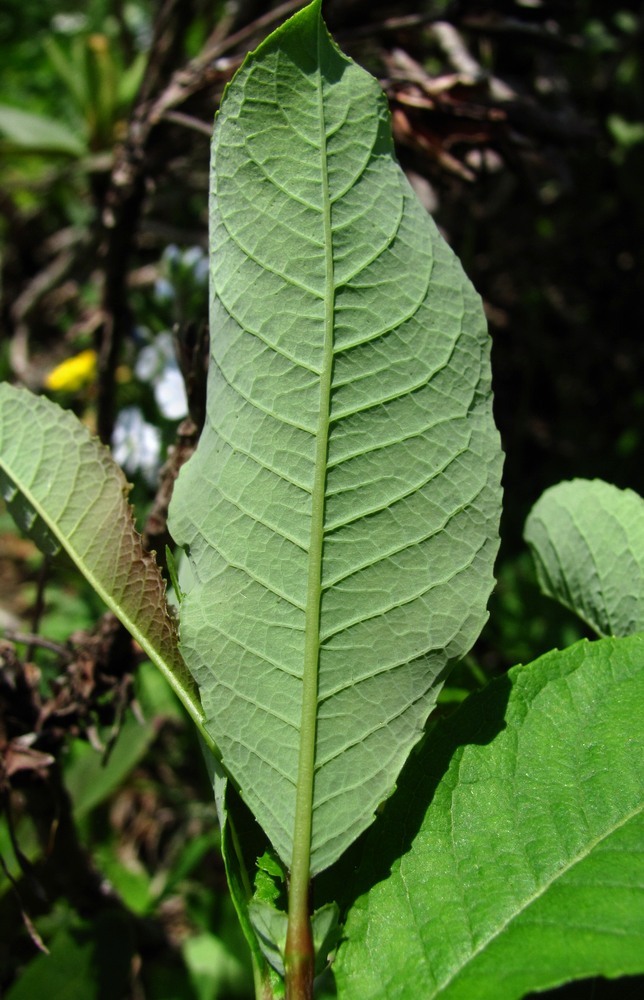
341	509
64	489
587	540
515	842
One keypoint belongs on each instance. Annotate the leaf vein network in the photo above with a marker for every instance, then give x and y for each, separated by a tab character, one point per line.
357	174
235	447
383	724
395	396
417	595
268	177
383	332
279	106
271	269
418	432
261	707
406	546
332	131
268	343
280	418
363	484
255	652
390	501
73	529
534	897
371	672
243	568
382	249
228	221
276	105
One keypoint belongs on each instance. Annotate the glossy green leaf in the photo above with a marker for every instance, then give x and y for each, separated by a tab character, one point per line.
515	841
587	540
342	507
62	486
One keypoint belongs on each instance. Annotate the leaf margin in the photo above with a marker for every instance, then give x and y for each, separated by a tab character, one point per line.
477	727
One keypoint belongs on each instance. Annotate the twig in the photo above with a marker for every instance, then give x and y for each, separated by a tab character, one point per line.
30	639
123	203
402	22
43	282
179	118
260	24
31	930
191	78
513	27
39	605
456	50
132	168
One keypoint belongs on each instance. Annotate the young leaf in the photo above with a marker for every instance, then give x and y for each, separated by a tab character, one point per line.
527	868
341	509
587	540
62	486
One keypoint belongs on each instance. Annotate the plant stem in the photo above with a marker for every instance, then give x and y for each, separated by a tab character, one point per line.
299	954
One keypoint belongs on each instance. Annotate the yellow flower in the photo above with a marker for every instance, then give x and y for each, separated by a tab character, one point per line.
74	373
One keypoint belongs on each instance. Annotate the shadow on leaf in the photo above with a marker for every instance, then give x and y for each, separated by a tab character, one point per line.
478	721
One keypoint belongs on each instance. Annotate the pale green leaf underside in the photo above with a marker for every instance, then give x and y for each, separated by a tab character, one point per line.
349	464
528	866
62	485
587	540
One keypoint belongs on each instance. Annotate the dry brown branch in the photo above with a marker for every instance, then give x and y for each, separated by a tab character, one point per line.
138	160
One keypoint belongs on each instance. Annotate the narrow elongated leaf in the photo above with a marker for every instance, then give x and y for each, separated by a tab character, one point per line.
23	131
239	883
62	486
587	540
341	509
527	868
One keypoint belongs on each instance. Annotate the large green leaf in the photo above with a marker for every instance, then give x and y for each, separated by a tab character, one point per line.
587	540
63	488
342	507
516	841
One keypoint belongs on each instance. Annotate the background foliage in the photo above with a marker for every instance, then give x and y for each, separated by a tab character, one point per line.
522	126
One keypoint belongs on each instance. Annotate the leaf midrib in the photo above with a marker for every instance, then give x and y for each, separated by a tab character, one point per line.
303	820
